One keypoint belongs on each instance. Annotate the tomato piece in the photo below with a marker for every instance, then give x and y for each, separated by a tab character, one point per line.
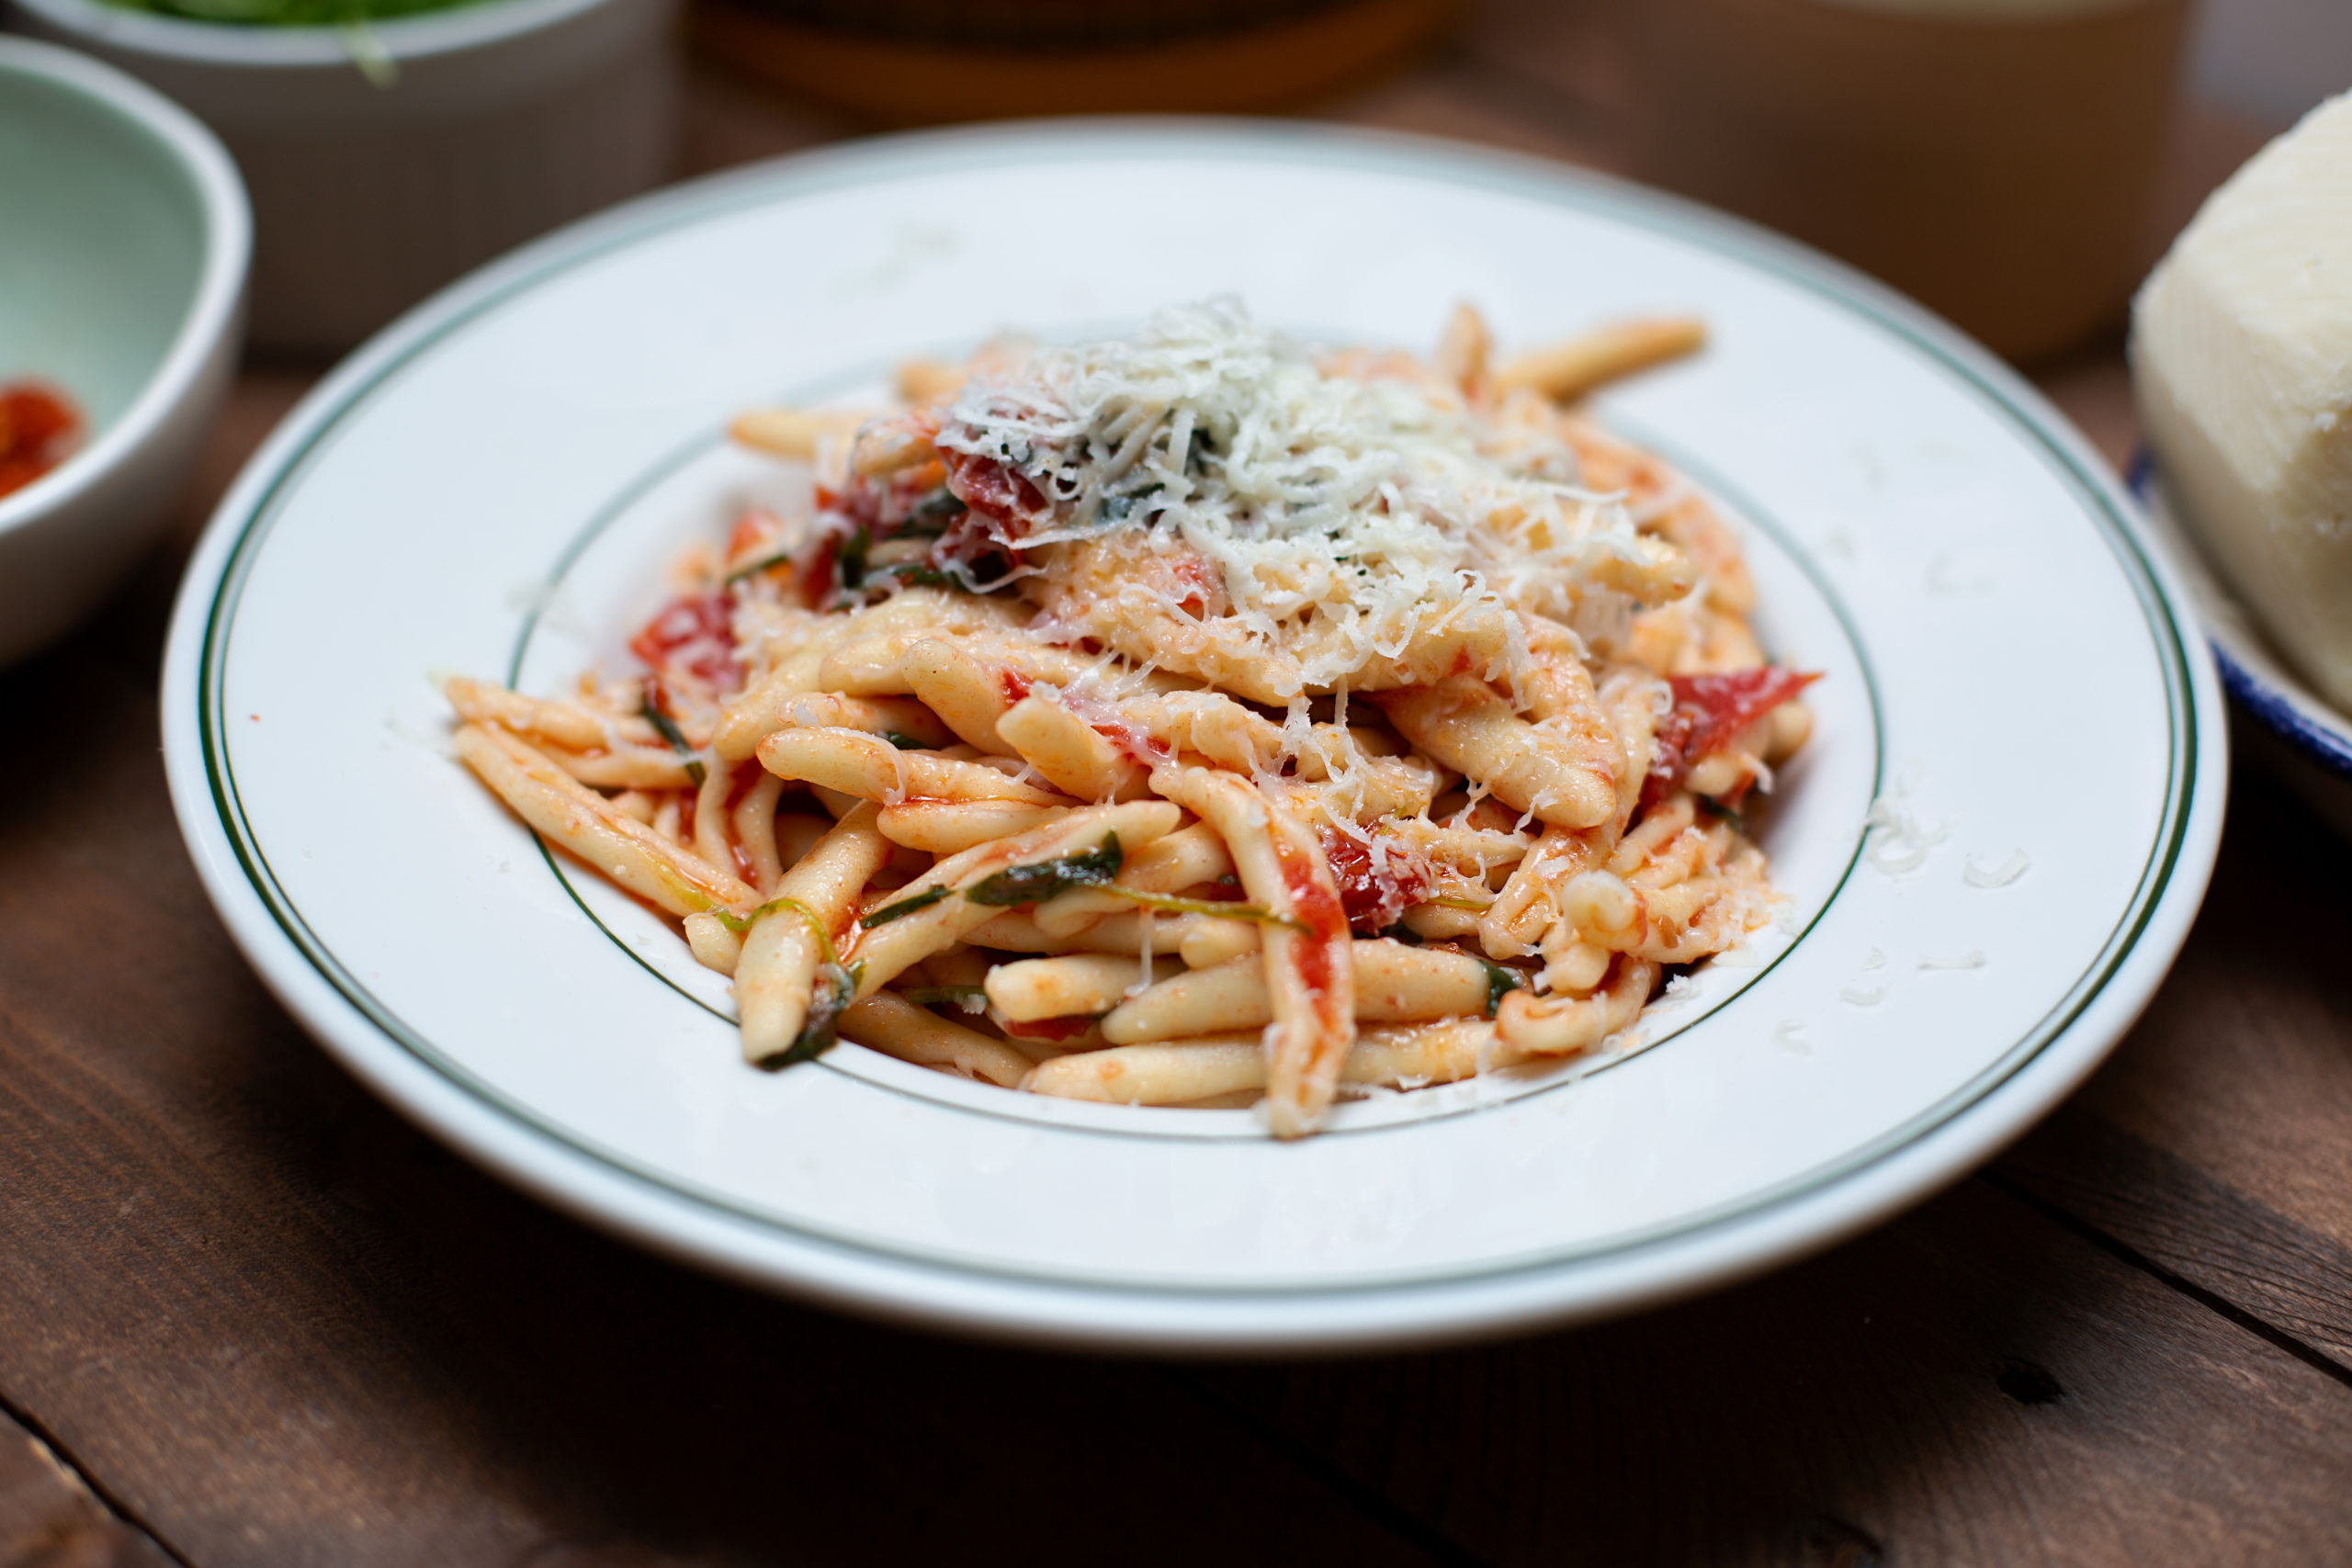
755	530
38	429
693	636
1709	713
997	492
1070	1026
1324	917
1375	895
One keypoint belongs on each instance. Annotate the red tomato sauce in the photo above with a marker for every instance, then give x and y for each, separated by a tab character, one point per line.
40	427
693	636
1317	907
1709	713
1375	896
1067	1027
997	492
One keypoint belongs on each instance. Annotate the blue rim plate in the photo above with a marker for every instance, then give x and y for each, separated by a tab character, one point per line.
2257	679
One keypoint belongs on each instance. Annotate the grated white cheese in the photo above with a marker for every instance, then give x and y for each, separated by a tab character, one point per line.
1350	512
2001	876
1902	842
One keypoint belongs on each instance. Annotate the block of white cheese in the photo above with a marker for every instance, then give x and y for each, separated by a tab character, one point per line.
2242	363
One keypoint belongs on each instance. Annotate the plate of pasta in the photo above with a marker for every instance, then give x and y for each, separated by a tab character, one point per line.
1432	744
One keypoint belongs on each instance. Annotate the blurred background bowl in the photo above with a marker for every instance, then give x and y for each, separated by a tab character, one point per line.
900	62
124	239
388	159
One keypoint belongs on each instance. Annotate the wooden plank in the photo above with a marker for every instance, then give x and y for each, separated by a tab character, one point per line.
2218	1142
1973	1383
285	1327
48	1516
2192	1225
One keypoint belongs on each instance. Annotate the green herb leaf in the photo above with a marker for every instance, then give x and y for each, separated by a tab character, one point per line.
668	730
781	557
1500	982
1402	932
913	574
904	742
849	565
971	998
1716	808
904	906
1047	879
1168	903
941	505
740	924
835	988
287	13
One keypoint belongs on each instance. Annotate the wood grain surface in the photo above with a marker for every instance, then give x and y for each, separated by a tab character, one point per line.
249	1315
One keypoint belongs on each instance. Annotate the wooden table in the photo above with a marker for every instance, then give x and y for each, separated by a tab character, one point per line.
248	1315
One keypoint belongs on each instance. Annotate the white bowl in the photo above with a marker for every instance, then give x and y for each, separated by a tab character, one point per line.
1985	875
493	123
124	238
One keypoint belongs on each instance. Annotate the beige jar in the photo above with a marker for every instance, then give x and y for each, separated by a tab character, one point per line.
1995	158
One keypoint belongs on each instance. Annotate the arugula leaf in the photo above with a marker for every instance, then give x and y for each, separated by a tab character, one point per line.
1402	932
836	988
888	912
1047	879
1169	903
668	730
941	506
1500	982
849	564
1716	808
740	924
904	742
752	568
971	998
913	574
287	13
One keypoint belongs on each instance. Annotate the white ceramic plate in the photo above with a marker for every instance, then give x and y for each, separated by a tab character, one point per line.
495	483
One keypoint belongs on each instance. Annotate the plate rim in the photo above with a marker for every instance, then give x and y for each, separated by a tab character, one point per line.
1693	1257
2288	708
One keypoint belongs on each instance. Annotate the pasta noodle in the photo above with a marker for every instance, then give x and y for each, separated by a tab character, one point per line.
1192	716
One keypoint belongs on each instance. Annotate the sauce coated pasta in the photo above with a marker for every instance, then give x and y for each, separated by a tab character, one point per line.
1193	719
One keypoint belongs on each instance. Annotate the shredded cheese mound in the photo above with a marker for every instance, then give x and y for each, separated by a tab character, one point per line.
1217	499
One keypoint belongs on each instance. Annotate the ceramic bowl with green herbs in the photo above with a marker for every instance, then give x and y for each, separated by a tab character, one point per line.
391	145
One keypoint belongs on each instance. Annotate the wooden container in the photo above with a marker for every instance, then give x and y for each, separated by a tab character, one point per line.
1995	158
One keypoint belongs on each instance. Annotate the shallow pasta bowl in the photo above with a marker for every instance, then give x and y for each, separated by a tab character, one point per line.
1984	877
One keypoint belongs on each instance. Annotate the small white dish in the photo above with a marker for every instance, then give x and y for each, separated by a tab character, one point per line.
124	238
2305	738
474	128
494	485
